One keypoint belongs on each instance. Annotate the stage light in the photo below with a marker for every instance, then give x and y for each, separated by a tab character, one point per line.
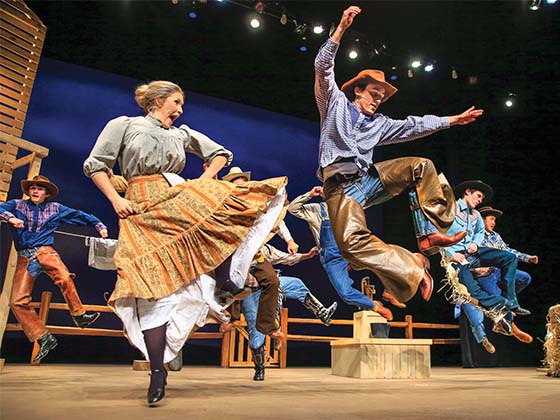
174	1
318	29
535	5
353	54
192	14
510	100
393	77
551	1
284	19
255	23
454	74
415	64
410	74
428	68
303	48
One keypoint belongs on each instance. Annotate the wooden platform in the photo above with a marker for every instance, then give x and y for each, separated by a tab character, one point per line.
387	358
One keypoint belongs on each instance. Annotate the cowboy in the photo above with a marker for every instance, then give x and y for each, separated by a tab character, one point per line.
469	253
291	288
317	217
350	130
493	239
33	223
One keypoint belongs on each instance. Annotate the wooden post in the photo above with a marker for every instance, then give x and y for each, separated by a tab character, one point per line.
224	362
283	352
43	316
409	329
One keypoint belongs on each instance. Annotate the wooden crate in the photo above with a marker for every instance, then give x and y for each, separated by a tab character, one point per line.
382	358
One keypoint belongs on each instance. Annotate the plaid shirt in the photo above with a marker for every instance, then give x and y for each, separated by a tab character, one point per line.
494	240
42	220
344	137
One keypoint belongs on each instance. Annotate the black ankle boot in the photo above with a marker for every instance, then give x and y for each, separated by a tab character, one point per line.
259	359
47	342
85	319
156	391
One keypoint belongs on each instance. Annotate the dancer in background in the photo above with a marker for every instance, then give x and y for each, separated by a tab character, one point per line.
317	217
32	223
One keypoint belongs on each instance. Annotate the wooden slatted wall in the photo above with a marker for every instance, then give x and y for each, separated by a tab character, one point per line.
22	35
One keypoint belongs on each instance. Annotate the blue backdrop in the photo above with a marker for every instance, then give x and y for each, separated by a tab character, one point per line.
70	106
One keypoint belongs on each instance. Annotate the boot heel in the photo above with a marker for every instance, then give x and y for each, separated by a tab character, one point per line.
430	251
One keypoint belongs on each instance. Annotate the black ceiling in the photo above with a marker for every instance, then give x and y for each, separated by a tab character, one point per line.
507	46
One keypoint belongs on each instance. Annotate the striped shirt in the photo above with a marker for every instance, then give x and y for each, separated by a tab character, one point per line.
345	138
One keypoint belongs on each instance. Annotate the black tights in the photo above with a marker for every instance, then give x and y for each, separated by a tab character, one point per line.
155	343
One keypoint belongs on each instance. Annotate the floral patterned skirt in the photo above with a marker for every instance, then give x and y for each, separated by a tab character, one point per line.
178	233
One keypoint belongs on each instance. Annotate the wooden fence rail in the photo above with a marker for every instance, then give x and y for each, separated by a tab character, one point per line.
234	351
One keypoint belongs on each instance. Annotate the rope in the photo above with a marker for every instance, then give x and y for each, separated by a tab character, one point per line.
63	233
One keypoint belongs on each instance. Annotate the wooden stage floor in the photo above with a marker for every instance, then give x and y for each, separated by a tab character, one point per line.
102	392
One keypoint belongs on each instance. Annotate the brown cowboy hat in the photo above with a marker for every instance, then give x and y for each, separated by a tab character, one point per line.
236	172
475	184
369	76
489	211
42	181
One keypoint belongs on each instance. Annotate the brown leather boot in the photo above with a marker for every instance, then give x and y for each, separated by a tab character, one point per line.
392	299
426	285
488	346
431	243
520	335
382	310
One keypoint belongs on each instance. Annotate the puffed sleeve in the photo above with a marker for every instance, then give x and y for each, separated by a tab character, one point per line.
202	146
107	147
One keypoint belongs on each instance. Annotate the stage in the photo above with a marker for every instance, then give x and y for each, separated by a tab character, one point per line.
117	392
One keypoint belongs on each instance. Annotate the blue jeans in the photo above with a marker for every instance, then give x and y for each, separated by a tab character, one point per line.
505	262
292	287
369	191
337	268
492	283
476	319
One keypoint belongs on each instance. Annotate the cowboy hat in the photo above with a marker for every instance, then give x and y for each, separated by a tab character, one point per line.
236	172
489	211
42	181
475	184
369	76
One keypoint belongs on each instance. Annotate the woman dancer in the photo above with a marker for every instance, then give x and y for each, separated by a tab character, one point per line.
171	236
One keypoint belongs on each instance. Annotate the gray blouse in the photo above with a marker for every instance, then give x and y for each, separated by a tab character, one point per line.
143	147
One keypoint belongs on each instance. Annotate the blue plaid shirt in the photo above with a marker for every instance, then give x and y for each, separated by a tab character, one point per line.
344	137
42	220
494	240
469	220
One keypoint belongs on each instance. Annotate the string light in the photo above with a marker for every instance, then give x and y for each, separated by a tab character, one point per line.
361	45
